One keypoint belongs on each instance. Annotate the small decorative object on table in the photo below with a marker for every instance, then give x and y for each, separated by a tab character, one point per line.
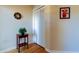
22	31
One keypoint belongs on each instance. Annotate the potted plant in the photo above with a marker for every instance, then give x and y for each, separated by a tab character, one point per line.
22	31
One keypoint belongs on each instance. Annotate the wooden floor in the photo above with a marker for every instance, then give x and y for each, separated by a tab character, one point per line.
33	48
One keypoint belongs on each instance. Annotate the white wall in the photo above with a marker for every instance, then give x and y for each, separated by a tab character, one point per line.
70	29
65	31
9	26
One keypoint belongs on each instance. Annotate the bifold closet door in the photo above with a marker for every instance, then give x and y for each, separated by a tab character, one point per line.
41	21
42	28
45	26
38	26
36	18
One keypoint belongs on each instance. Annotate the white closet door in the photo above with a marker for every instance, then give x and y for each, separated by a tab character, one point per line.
38	26
42	26
45	14
41	41
36	18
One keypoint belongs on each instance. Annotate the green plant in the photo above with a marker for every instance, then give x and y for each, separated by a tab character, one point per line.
22	31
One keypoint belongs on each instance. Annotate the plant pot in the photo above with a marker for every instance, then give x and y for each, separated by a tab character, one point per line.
22	34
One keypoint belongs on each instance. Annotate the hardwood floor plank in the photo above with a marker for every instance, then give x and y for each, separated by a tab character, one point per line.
33	48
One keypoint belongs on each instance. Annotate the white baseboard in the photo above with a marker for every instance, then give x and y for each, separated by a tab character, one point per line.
50	51
8	49
54	51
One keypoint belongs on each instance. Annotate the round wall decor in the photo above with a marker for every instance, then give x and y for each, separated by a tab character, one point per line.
17	15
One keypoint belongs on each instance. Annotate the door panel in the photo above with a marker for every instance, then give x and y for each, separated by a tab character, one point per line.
42	17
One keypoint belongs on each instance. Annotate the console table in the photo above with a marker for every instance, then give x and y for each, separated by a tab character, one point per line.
19	37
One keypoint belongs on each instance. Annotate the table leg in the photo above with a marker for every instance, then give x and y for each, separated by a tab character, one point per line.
24	42
27	43
19	46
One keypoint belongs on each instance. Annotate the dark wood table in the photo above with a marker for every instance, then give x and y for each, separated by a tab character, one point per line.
19	37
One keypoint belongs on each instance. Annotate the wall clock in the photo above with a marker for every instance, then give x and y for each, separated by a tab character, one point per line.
17	15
